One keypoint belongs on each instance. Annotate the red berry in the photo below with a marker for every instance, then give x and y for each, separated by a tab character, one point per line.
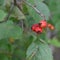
43	23
36	28
51	26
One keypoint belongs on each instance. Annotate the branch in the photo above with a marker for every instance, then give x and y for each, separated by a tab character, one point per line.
39	12
9	13
14	2
42	41
19	4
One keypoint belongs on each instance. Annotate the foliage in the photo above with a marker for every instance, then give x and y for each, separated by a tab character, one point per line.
17	41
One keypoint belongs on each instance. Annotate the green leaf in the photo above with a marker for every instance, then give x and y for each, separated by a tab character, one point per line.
17	14
39	51
41	7
20	54
3	57
54	42
57	25
33	1
7	2
55	12
1	2
8	29
2	15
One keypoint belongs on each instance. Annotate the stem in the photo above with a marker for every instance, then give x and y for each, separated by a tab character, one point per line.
39	39
14	2
18	5
42	41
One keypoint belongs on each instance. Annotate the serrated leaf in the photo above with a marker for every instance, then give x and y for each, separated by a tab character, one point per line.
2	15
39	51
41	7
8	29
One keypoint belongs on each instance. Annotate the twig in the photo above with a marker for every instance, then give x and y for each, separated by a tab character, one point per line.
42	41
18	5
14	2
39	12
9	13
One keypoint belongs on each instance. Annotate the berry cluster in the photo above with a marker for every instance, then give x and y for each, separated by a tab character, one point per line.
38	28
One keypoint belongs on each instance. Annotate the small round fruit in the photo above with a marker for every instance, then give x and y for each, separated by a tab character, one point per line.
43	23
34	27
38	30
51	26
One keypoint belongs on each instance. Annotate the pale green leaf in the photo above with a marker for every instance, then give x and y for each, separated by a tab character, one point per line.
54	42
2	15
39	51
43	8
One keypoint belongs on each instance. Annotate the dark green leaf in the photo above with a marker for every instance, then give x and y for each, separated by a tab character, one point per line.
8	29
1	2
